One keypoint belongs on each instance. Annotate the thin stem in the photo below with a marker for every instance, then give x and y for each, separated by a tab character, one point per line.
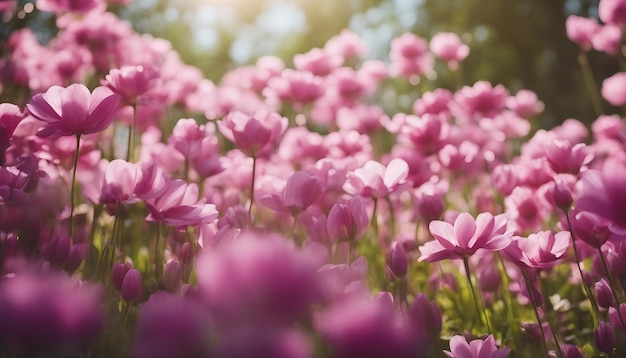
158	261
72	190
374	222
533	301
252	187
292	233
392	217
595	312
479	311
583	60
555	335
129	148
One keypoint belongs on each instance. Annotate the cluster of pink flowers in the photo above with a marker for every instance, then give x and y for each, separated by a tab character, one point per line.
261	220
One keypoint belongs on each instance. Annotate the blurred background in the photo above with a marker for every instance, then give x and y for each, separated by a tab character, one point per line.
518	43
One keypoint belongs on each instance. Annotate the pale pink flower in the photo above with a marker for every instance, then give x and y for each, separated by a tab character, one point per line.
565	158
607	39
612	12
448	47
581	30
478	348
299	192
480	100
409	56
317	61
347	45
376	180
466	237
525	103
604	192
253	134
131	82
435	102
614	89
61	7
300	87
74	110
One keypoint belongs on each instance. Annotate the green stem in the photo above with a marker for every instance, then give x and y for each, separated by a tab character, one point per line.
72	190
533	301
252	187
374	221
595	312
583	60
129	148
392	218
479	311
555	334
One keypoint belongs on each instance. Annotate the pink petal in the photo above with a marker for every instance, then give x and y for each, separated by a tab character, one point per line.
464	229
46	107
75	101
484	227
444	233
397	170
460	348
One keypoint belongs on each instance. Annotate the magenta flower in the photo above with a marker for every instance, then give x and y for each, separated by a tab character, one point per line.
466	237
178	206
542	250
130	82
460	348
253	134
525	103
614	89
604	193
564	157
10	117
347	221
73	110
301	191
376	180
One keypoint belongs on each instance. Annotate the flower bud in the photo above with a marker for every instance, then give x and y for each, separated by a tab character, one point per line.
75	258
131	286
562	195
185	253
397	260
172	274
604	294
571	351
489	279
604	337
118	273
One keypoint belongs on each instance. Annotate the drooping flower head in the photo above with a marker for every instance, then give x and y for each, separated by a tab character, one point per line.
73	110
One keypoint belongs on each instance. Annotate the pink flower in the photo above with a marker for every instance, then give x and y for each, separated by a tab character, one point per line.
409	56
178	206
253	134
130	82
460	348
614	89
347	45
300	191
300	87
73	110
565	158
347	221
448	47
542	250
435	102
61	7
612	12
375	180
466	237
317	61
525	103
10	117
604	192
480	100
607	39
126	183
581	30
